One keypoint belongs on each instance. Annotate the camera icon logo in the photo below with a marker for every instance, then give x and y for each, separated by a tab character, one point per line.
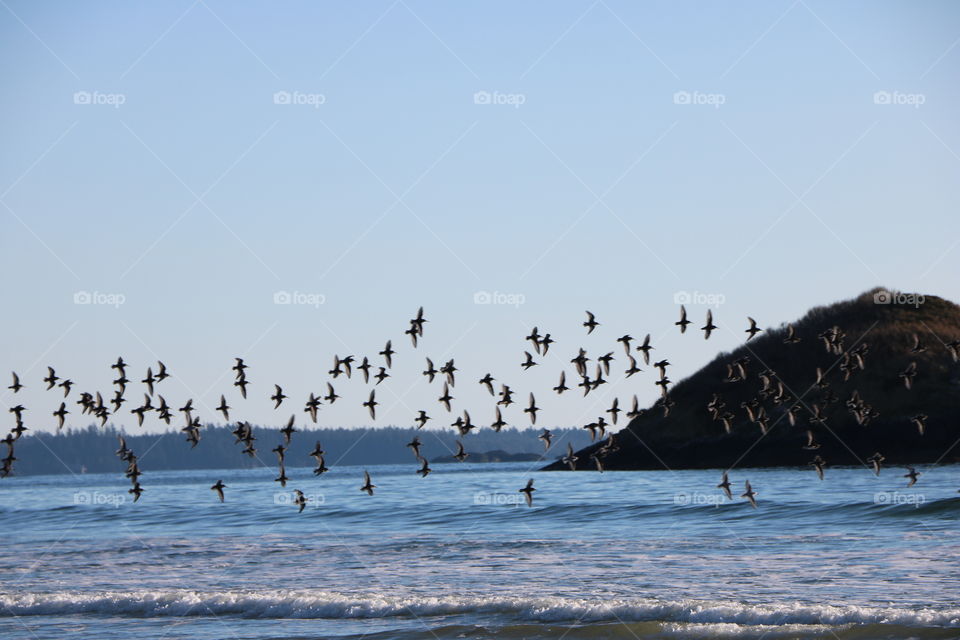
681	297
481	97
281	97
681	97
282	297
81	97
82	297
882	297
881	97
482	297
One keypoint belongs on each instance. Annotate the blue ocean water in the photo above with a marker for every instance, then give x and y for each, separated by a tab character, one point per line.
459	554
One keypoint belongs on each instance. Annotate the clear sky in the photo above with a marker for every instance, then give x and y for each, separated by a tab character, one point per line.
190	160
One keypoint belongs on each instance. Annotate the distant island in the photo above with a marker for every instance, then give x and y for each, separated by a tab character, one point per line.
864	349
499	455
91	449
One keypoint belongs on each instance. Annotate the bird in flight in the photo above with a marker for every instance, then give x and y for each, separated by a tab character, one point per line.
528	490
571	458
912	475
532	409
300	500
725	485
278	396
750	494
591	323
709	326
368	485
371	404
682	322
645	348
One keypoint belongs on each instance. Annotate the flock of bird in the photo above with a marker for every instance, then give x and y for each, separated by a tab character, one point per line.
94	403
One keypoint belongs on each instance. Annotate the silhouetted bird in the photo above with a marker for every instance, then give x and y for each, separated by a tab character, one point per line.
219	487
528	490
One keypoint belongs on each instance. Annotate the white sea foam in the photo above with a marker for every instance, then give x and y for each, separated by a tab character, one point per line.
320	604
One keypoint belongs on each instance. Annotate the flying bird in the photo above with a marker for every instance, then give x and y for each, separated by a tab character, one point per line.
331	396
421	419
709	326
368	486
387	354
61	414
876	460
312	406
224	408
532	409
526	364
725	485
912	474
424	469
570	459
682	322
818	464
446	397
430	372
645	348
300	500
562	385
289	430
591	323
415	446
277	397
51	378
487	381
791	337
546	437
528	490
219	487
921	421
750	494
908	375
371	404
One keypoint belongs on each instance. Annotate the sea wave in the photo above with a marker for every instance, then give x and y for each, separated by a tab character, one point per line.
323	604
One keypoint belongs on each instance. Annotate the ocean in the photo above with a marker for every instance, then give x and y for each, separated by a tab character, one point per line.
644	554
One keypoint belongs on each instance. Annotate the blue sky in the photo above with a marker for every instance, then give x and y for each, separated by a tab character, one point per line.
193	159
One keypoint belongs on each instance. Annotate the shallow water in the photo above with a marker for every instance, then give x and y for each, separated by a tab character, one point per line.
459	555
